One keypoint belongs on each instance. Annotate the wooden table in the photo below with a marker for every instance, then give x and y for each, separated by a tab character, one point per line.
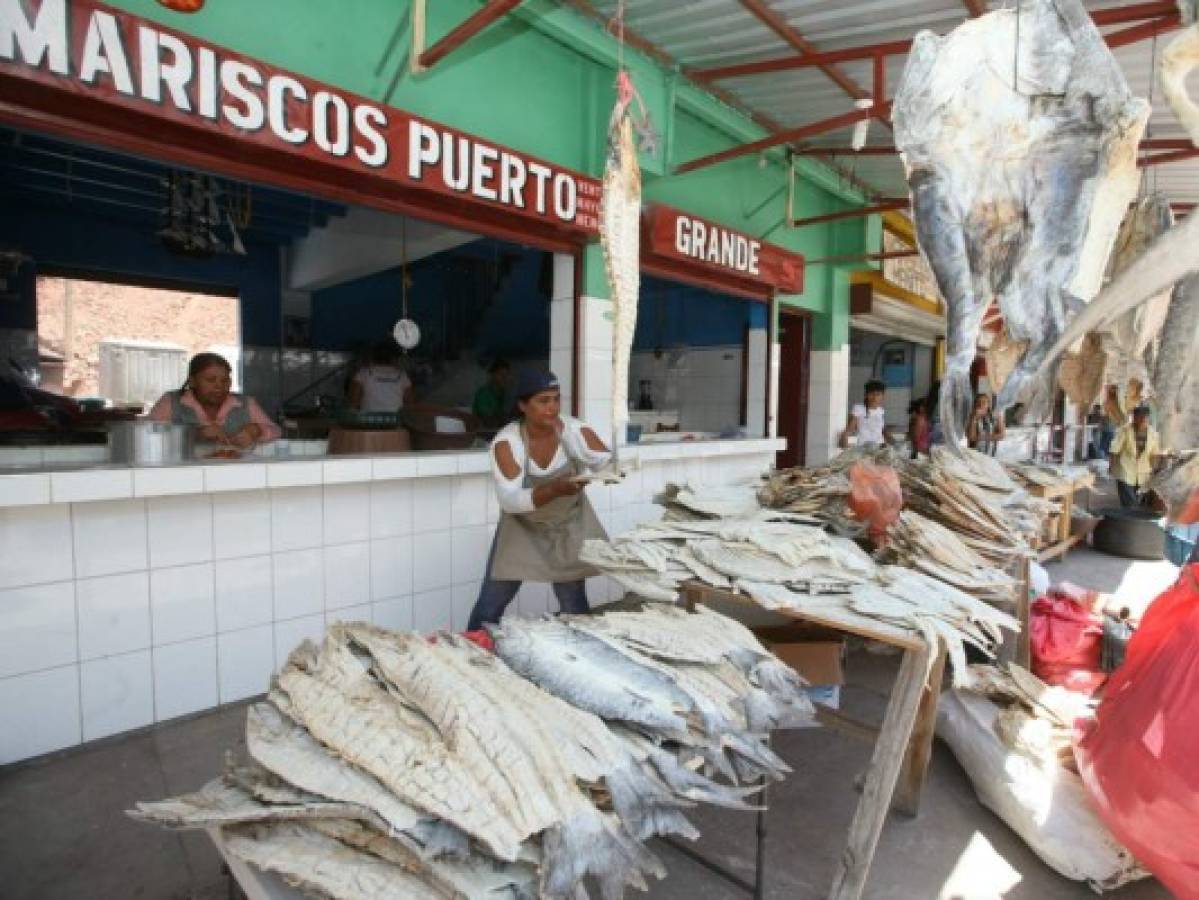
902	745
1064	540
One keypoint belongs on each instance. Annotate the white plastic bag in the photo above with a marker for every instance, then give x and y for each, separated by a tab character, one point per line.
1041	801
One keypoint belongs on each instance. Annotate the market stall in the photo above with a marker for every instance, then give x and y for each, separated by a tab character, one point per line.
325	217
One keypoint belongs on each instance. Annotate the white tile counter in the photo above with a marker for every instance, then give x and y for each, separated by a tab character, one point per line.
134	595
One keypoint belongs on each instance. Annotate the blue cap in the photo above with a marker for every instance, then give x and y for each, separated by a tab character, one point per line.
534	381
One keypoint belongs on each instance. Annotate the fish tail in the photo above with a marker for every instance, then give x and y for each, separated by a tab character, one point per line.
695	786
643	802
594	844
956	399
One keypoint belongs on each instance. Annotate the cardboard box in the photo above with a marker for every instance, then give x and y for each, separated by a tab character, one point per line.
818	654
819	662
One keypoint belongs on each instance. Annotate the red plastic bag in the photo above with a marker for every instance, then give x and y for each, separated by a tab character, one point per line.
1067	641
875	498
1140	757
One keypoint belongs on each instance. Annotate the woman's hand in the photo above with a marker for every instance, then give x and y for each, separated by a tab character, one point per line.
247	437
211	433
566	487
552	490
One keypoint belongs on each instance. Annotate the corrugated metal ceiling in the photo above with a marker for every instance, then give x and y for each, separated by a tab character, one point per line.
703	34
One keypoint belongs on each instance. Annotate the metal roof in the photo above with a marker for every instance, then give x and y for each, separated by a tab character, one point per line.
704	34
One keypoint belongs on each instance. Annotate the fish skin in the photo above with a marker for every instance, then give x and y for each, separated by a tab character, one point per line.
320	865
1169	259
1017	194
590	675
344	708
1176	369
221	802
1135	331
1178	485
620	238
290	752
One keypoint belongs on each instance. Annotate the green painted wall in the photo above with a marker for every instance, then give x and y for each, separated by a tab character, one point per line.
542	81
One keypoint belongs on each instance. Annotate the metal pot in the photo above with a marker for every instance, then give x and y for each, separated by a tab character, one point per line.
150	443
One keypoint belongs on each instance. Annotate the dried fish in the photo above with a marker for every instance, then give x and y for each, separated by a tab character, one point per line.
620	238
385	765
980	115
322	865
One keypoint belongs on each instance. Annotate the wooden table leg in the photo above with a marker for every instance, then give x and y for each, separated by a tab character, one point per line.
1023	602
920	747
880	780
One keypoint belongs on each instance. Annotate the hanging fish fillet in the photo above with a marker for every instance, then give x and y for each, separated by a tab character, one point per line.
1171	257
620	238
1136	330
1018	134
1176	369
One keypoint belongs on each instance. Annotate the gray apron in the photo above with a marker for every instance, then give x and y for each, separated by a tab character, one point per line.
544	545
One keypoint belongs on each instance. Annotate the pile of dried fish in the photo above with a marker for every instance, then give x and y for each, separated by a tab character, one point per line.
972	494
822	492
697	683
386	765
1033	474
783	564
1035	719
929	547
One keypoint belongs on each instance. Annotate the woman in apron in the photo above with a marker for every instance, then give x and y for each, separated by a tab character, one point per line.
546	516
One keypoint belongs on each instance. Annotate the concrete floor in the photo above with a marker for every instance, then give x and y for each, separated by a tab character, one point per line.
64	835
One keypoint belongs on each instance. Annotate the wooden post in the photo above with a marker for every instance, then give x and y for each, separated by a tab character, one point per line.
880	780
1023	602
920	747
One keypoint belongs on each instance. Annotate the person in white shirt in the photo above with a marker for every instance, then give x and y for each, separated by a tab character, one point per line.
536	464
868	420
382	386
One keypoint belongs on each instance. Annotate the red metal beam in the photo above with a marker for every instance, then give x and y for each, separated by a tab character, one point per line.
1163	12
1147	144
792	36
808	60
1161	158
633	39
1137	12
847	151
885	206
492	10
1144	31
787	136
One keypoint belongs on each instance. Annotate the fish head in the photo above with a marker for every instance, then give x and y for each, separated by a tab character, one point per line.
1178	486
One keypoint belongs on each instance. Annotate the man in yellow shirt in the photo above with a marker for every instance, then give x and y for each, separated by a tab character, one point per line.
1133	453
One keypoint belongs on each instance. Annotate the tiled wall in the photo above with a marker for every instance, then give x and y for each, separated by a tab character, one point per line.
116	614
828	391
704	385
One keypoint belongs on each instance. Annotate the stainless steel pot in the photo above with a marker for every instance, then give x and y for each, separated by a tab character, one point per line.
149	443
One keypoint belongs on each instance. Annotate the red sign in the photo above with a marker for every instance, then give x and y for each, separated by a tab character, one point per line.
683	238
84	49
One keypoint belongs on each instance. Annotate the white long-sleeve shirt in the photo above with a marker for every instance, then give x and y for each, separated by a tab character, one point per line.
514	497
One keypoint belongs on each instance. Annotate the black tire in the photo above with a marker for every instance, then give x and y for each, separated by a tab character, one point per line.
1129	533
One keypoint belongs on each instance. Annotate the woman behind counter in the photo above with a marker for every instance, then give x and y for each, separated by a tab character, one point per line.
207	402
546	515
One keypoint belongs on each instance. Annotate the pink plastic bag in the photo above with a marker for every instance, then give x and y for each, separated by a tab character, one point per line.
1067	641
1140	757
875	498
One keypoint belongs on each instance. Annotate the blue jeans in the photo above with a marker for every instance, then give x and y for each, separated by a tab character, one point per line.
495	594
1106	435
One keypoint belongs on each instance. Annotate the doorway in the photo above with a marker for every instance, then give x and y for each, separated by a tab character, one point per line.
795	346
